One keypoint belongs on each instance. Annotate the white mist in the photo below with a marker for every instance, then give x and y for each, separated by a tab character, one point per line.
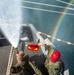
10	20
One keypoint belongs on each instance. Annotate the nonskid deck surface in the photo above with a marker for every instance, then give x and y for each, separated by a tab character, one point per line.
4	56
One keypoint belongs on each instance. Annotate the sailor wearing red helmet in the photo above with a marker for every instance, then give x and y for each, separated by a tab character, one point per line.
55	56
53	62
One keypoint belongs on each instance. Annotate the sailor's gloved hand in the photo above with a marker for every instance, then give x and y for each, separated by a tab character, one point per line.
26	58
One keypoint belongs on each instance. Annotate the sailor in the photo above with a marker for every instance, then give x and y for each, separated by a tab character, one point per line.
19	69
24	66
53	63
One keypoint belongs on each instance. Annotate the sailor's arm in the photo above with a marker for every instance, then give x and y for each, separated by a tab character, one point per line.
47	47
36	70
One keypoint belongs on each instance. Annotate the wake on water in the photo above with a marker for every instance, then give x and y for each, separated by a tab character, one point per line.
10	20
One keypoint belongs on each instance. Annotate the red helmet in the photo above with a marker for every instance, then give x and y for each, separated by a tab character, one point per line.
55	56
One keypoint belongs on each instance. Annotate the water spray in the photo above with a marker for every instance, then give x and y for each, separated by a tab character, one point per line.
10	20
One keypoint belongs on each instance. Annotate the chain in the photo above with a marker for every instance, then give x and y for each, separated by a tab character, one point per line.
59	40
10	60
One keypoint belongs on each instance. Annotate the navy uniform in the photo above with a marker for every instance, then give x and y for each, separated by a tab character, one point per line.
52	63
25	67
19	69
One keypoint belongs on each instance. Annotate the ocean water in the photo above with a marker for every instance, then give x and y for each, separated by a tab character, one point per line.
57	25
